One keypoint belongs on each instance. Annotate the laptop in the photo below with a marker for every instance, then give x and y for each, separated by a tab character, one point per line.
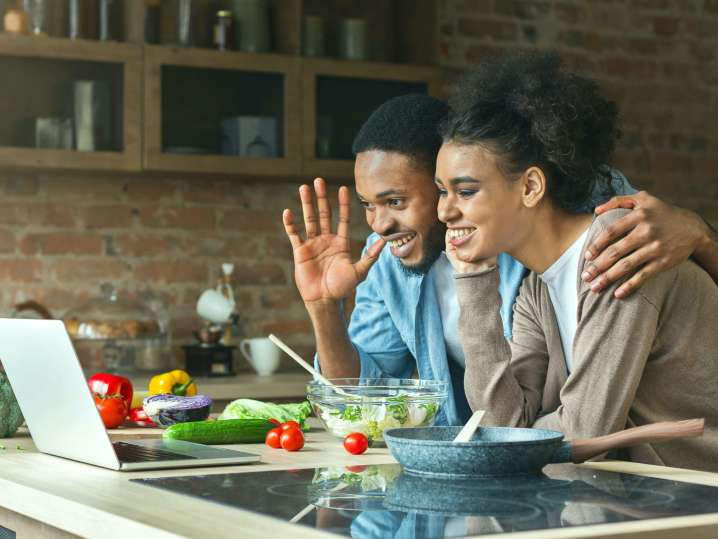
60	412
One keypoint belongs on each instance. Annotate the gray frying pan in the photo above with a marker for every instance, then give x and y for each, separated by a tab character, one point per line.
495	451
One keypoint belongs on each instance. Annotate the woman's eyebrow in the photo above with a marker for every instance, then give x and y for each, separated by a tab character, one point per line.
463	179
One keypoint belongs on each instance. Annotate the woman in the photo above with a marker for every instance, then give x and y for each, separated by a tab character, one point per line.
524	149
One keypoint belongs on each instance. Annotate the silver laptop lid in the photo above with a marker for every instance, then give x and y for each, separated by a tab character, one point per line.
45	375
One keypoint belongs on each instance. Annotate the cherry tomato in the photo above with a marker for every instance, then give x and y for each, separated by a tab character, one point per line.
356	443
272	438
290	425
275	421
112	408
292	439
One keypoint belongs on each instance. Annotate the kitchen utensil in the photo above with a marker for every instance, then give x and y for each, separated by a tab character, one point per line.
184	23
251	19
92	115
116	333
313	35
261	354
507	451
471	425
215	307
353	39
317	375
375	404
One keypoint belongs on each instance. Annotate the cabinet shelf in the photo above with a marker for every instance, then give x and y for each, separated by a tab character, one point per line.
38	78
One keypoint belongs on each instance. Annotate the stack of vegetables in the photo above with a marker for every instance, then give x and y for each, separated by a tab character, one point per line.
242	421
175	405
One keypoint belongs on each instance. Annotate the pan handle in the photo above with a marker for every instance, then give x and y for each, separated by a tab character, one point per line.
582	450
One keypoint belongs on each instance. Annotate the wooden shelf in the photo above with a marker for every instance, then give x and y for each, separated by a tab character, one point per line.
286	69
34	66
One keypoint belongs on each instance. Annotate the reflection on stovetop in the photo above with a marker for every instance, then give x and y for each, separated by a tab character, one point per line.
379	501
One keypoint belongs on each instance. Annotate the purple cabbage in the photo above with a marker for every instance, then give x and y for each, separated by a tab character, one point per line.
166	410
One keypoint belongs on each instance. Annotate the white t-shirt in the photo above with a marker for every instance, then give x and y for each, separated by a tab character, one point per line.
443	273
560	278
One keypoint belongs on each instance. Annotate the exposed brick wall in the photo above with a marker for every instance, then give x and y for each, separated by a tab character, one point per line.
657	58
61	237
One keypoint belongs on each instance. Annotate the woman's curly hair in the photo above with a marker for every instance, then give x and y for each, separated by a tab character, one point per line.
530	112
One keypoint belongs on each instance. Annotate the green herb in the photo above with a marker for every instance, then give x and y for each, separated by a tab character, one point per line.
20	448
352	413
2	447
399	409
372	431
431	410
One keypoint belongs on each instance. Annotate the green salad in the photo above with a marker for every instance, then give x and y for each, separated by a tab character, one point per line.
372	419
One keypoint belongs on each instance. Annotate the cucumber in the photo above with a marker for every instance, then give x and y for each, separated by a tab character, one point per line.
224	431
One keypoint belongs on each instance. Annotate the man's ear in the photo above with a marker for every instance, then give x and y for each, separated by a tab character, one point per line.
534	187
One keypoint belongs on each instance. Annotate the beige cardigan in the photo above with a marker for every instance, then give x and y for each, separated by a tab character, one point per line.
651	357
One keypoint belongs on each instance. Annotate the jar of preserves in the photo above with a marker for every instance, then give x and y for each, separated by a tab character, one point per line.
223	31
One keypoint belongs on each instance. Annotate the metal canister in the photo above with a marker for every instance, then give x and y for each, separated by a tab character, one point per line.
223	30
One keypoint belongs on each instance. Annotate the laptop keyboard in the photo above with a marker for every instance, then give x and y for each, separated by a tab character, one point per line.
136	453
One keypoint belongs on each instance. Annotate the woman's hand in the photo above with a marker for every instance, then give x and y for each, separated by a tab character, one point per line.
466	266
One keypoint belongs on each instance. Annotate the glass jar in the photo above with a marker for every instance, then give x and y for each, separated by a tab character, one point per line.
117	334
223	31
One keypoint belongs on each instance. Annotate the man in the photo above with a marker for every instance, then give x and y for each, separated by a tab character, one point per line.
406	313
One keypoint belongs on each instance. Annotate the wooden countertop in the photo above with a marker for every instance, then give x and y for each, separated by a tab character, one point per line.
93	502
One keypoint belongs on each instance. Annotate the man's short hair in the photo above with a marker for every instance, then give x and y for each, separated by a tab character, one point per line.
409	125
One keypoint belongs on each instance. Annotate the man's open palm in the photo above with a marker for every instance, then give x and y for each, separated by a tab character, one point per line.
323	268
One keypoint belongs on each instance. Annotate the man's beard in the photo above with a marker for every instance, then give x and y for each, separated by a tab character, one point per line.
431	250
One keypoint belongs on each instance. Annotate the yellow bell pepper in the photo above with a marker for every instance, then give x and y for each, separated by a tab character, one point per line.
175	382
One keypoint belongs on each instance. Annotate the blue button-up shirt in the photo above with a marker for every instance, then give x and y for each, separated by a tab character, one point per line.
396	324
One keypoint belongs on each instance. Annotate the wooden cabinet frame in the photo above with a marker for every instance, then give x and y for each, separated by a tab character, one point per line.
130	56
156	159
313	68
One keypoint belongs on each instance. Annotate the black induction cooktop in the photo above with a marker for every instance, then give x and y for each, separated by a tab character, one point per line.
379	501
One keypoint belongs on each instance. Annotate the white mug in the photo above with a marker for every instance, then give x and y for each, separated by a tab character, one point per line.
262	354
213	306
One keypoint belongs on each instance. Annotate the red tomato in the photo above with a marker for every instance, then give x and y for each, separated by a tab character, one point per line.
356	469
290	425
292	439
112	408
356	443
275	422
272	439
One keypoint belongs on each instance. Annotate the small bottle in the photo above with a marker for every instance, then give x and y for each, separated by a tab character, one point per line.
223	30
73	21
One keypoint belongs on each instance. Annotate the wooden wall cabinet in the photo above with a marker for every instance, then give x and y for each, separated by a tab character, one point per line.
339	96
37	82
189	93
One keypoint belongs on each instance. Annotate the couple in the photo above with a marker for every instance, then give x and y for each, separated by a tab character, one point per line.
512	168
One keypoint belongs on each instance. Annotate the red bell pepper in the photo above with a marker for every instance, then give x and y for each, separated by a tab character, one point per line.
105	384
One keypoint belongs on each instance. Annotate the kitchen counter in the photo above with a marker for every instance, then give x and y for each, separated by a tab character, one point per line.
45	496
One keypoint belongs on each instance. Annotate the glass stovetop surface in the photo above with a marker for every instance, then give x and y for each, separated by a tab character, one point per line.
379	501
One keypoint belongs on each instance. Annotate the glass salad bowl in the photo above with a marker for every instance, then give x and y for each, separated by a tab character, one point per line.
372	405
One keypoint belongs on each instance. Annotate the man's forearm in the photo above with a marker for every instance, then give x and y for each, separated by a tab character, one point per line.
337	356
707	253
